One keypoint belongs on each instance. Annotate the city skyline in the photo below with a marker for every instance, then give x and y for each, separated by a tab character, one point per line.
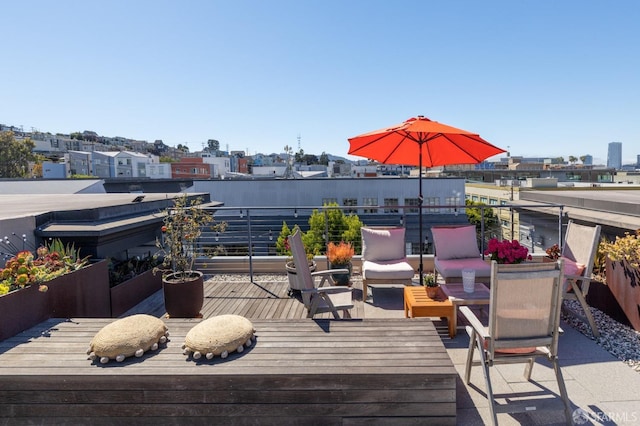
530	78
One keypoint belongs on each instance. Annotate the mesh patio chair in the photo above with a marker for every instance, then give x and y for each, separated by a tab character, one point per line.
579	251
524	316
318	298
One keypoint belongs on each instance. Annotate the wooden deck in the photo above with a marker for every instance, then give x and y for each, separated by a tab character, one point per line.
299	371
263	298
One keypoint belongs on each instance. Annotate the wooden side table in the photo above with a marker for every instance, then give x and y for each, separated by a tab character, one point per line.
418	304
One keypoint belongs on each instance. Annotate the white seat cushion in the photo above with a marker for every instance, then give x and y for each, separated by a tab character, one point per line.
387	269
452	268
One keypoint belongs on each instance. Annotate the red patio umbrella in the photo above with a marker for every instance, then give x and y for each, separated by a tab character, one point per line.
423	143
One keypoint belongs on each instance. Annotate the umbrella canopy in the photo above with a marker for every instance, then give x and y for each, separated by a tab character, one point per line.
423	143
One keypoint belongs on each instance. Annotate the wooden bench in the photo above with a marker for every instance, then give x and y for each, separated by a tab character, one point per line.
297	372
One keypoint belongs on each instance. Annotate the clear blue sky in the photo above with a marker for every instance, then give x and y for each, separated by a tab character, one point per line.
544	78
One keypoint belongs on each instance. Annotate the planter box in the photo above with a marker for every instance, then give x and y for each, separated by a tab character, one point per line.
126	295
82	293
624	282
21	310
600	297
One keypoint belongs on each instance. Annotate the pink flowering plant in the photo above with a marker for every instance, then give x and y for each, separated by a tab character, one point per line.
507	251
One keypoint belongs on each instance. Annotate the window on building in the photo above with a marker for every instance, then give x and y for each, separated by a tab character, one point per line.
450	201
432	201
369	202
391	205
411	202
474	198
347	202
493	202
483	200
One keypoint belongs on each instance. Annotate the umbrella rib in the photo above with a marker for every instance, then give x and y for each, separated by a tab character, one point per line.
404	136
474	138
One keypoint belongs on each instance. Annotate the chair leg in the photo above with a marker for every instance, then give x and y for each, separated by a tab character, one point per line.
563	390
315	302
487	379
528	369
587	311
346	313
472	345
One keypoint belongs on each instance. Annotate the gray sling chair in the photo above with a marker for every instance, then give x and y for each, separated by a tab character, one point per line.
317	298
524	317
580	248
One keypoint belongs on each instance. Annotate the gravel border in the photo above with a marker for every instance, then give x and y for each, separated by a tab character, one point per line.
619	340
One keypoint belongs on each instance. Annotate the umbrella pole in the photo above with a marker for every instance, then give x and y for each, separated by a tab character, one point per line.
420	269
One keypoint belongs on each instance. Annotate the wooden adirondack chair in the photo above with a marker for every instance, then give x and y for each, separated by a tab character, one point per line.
318	298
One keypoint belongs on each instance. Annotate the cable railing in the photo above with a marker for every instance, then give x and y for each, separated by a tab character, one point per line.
253	232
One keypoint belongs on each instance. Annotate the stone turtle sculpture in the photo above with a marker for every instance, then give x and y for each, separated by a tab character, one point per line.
129	336
219	335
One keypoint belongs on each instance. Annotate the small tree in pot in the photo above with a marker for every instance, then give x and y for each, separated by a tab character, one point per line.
182	227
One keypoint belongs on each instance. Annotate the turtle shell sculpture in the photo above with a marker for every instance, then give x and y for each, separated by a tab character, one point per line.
219	336
129	336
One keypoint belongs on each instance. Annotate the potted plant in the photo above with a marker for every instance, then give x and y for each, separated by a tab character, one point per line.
183	287
507	252
431	285
553	253
339	256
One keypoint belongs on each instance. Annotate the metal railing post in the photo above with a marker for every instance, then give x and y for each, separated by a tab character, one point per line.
250	246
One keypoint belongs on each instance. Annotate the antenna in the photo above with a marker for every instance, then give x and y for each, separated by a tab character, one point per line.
299	142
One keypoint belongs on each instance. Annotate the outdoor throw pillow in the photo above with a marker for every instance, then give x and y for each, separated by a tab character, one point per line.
133	335
455	242
379	245
571	268
219	335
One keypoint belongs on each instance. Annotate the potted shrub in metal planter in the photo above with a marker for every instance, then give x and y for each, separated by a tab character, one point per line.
183	287
339	256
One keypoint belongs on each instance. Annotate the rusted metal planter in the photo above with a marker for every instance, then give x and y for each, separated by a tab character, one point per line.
82	293
624	282
126	295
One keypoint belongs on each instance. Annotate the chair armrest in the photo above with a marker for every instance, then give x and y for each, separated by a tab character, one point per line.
327	275
579	278
474	321
329	290
329	272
